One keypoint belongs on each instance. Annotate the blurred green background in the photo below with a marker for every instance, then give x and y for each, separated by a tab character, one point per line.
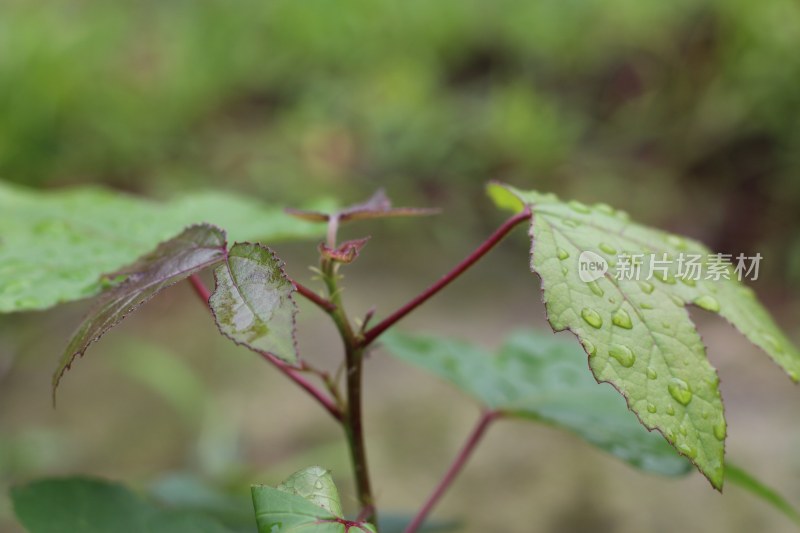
684	113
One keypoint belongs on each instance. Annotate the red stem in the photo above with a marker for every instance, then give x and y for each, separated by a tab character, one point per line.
200	288
290	372
458	464
373	333
313	297
306	385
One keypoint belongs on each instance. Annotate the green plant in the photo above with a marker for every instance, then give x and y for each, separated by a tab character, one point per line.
637	334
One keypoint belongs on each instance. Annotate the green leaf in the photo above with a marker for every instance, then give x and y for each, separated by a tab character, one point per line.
543	379
54	246
252	302
308	500
638	334
81	505
738	476
197	248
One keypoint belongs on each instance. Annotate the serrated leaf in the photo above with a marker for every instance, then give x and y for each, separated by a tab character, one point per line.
377	206
82	505
738	476
252	302
54	246
638	333
196	248
308	500
542	379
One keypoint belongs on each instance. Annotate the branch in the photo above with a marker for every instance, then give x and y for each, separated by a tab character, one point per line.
200	288
458	464
290	372
323	303
306	385
373	333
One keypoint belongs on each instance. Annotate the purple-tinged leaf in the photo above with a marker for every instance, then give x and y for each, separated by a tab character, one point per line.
347	252
197	248
252	302
377	206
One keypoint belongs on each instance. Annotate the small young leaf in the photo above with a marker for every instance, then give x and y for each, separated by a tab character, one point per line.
253	304
377	206
544	379
81	505
55	245
347	252
197	248
307	500
643	340
737	476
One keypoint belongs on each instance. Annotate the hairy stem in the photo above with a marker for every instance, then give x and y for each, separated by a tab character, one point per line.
373	333
455	468
289	371
353	418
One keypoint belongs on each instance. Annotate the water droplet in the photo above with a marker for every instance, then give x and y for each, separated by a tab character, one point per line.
793	375
646	286
590	348
677	300
592	317
318	485
651	408
687	281
676	242
646	305
680	390
670	435
605	209
706	413
571	223
579	207
651	373
595	288
607	248
622	319
665	277
707	302
683	431
774	343
670	410
564	270
687	450
666	325
562	254
622	354
721	429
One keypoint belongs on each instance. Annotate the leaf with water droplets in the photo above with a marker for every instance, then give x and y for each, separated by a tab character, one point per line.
543	378
196	249
644	341
252	302
56	245
307	500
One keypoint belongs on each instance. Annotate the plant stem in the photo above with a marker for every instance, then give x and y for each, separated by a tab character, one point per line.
371	334
353	419
306	385
323	303
200	288
289	371
455	468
